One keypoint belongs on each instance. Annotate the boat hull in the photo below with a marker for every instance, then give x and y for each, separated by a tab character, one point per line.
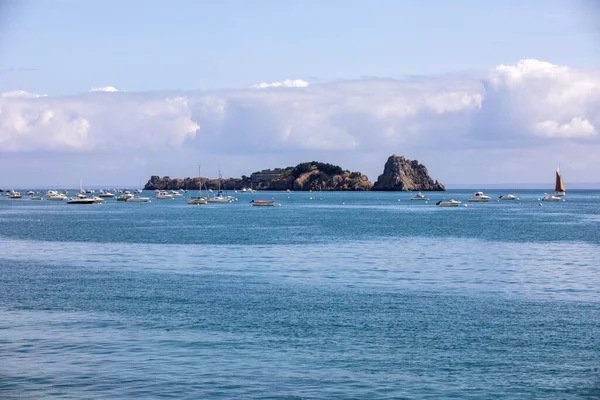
261	203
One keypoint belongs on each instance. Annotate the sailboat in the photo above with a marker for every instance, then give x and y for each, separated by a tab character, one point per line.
559	187
220	198
198	200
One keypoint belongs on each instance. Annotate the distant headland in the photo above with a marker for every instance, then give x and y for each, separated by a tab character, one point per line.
399	174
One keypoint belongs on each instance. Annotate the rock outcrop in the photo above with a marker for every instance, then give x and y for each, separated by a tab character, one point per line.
400	174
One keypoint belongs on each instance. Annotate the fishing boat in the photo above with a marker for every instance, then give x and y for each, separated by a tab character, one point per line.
508	197
449	203
262	203
479	197
419	196
559	186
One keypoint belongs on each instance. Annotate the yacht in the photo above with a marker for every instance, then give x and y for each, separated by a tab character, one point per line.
508	197
479	197
81	199
30	193
551	197
138	199
220	198
125	197
559	186
106	195
449	203
419	196
138	191
34	197
53	195
176	194
197	200
163	196
15	195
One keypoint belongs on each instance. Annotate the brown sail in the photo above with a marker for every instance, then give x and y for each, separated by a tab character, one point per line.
559	186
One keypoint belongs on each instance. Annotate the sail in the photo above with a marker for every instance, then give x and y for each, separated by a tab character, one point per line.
559	187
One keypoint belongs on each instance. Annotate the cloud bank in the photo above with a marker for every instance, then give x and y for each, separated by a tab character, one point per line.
531	110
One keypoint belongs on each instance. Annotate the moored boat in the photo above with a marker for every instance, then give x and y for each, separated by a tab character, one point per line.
81	200
551	197
125	197
138	199
419	196
261	203
508	197
479	197
449	203
163	196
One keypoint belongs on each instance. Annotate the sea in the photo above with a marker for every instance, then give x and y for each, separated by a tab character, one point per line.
327	295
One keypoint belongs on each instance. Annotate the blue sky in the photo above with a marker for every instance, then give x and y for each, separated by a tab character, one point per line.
67	46
369	79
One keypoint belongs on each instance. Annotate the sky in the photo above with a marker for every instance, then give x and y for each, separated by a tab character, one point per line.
111	92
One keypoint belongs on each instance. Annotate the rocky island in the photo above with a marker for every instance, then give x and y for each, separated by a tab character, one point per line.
399	174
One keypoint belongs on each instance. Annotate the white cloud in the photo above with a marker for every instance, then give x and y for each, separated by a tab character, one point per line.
355	122
21	94
576	128
104	89
287	83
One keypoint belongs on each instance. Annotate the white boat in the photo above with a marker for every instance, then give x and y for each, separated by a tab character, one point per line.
15	195
138	199
419	196
176	194
163	196
550	197
263	203
479	197
30	193
98	200
105	195
138	191
220	198
53	195
81	200
125	197
508	197
197	200
559	186
449	203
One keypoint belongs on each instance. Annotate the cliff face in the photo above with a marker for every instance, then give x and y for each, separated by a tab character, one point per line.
167	183
400	174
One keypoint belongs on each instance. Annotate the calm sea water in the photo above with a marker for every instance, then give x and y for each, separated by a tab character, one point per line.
349	295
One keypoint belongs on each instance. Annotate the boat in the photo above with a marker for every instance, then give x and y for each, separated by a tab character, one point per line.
81	200
35	197
15	195
449	203
137	191
419	196
197	200
125	197
138	199
105	195
262	203
551	197
30	193
161	195
559	186
220	198
98	200
479	197
508	197
176	194
53	195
